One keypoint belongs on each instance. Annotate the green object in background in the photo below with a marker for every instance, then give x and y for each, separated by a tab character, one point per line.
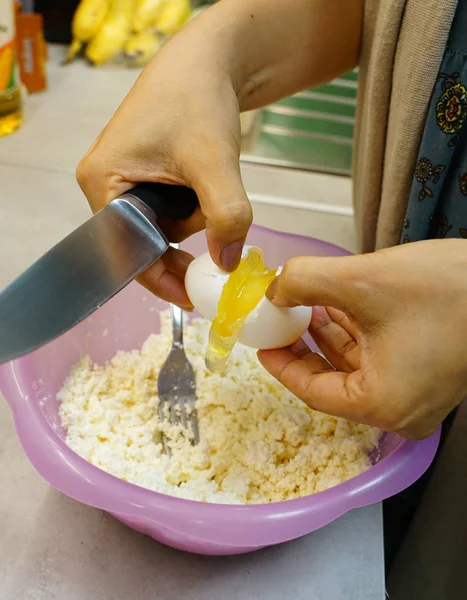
312	130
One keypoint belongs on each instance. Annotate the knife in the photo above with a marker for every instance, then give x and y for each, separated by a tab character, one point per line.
88	267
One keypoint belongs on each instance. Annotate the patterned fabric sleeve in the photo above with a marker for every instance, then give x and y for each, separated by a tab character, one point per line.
437	205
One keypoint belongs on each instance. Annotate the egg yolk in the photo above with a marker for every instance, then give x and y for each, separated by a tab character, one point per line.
241	293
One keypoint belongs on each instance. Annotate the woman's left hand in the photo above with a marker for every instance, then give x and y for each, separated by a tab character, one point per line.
394	334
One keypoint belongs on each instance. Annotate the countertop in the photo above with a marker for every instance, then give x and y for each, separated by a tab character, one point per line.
51	547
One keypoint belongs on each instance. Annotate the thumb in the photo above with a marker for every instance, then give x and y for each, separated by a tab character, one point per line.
344	283
226	207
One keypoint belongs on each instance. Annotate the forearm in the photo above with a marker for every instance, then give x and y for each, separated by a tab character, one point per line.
273	48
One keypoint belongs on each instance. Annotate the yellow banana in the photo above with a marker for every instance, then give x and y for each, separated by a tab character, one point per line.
87	19
141	47
146	14
111	37
173	16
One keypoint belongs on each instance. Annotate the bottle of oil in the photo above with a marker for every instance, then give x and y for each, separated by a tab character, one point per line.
10	92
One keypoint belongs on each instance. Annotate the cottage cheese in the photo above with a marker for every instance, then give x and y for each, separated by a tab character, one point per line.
259	443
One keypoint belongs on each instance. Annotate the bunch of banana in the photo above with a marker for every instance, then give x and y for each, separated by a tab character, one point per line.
87	19
136	28
147	11
141	47
173	15
113	33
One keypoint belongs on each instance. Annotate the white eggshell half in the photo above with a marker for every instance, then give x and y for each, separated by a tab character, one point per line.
266	327
204	282
269	326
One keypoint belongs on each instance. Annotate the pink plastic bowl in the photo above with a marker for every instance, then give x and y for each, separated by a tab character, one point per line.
30	385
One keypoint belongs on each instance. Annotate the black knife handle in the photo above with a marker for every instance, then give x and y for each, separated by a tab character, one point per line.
170	201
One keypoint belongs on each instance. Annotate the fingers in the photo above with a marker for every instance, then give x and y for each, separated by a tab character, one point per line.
93	178
177	261
344	283
333	338
343	320
226	208
313	380
177	231
165	278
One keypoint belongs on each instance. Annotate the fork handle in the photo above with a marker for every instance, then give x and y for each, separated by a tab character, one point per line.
177	318
177	325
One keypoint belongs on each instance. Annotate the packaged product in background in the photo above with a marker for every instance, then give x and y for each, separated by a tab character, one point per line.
10	92
32	51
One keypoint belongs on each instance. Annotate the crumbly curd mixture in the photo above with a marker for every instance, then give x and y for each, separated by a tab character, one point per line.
259	443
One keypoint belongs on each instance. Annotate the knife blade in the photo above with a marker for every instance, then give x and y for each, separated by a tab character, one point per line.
88	267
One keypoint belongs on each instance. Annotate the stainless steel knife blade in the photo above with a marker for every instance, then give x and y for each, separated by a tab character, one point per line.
78	275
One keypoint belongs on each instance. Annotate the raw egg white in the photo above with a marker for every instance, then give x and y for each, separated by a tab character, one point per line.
266	327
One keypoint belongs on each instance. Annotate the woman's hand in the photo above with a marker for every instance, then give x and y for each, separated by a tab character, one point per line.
180	122
394	333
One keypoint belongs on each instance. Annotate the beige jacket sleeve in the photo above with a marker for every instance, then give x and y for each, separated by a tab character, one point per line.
402	49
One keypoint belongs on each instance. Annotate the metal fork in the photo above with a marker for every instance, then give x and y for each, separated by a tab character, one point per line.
176	384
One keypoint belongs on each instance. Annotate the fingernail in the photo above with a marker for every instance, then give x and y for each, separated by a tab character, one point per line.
271	292
231	255
185	307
